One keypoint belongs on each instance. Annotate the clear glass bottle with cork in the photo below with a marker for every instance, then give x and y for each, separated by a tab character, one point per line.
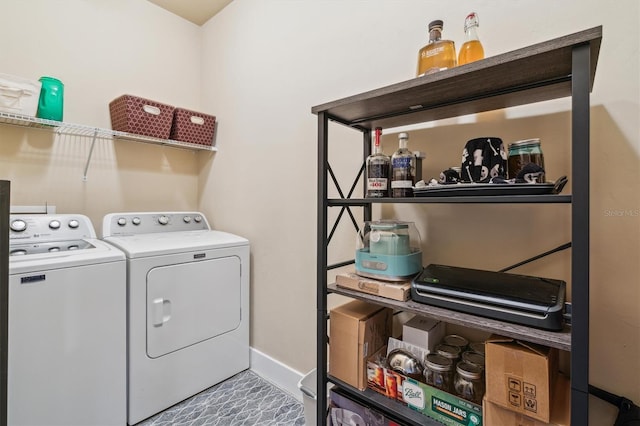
403	169
378	167
438	54
471	49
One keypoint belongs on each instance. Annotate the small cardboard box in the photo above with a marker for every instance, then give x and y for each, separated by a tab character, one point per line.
423	332
392	290
520	375
560	410
356	330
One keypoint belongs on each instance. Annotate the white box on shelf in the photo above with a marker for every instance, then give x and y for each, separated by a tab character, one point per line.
19	95
423	332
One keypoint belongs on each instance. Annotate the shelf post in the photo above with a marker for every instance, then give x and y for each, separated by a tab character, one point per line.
86	166
580	87
321	279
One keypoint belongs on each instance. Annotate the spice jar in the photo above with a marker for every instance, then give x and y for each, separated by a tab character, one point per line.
448	351
522	153
438	372
468	383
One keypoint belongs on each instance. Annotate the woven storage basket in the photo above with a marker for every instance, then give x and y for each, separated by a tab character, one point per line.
194	127
141	116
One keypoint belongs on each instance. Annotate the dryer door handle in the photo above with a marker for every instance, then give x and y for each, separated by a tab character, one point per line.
160	311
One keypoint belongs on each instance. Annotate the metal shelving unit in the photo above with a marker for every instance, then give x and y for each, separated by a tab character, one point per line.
562	67
94	133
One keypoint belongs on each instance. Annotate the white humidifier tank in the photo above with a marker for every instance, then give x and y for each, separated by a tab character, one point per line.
388	250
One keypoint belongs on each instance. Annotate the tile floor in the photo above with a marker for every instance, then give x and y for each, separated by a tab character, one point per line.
244	399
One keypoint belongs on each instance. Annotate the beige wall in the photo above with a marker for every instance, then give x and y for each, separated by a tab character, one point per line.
260	66
100	50
265	65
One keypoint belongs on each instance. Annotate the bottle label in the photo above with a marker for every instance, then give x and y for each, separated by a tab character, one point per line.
401	184
433	52
377	184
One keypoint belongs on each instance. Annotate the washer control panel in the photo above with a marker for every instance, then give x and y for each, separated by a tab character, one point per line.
119	224
41	228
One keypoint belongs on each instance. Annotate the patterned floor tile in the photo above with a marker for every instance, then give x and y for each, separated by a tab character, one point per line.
245	399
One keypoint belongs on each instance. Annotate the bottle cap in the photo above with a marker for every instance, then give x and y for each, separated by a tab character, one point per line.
403	136
435	24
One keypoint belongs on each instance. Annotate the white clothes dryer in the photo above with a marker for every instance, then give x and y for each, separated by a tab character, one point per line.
67	324
188	306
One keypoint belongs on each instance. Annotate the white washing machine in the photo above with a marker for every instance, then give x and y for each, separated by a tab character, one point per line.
67	324
188	306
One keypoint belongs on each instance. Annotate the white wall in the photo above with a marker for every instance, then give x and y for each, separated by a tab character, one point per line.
266	63
99	50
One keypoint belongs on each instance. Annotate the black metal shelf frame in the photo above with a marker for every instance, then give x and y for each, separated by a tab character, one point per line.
582	50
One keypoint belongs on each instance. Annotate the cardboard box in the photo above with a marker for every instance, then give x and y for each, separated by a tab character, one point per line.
560	409
344	411
519	376
392	290
356	330
423	332
444	407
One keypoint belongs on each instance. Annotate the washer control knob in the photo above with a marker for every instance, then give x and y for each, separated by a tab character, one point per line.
198	219
163	220
73	224
122	221
136	220
18	225
187	219
54	224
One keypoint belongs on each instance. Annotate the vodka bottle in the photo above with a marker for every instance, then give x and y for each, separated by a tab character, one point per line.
403	169
377	167
438	54
472	49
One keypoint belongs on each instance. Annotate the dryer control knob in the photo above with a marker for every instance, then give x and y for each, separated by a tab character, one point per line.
73	224
18	225
198	219
136	220
54	224
163	220
187	219
122	221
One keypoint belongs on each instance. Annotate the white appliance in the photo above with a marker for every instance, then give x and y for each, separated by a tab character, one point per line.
188	306
67	324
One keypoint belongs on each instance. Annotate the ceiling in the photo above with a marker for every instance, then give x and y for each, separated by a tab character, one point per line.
196	11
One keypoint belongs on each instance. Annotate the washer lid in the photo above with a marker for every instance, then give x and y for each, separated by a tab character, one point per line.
157	244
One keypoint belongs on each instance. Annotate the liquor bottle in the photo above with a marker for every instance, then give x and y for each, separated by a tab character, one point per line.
378	166
438	54
403	169
471	49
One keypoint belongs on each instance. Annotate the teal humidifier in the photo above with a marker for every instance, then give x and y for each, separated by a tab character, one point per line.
389	250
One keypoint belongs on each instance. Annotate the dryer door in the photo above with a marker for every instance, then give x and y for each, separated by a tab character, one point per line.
191	302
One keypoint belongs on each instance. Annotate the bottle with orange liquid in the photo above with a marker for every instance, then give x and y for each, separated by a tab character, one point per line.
471	49
438	54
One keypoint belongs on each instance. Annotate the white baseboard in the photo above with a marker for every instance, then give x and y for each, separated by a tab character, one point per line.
281	375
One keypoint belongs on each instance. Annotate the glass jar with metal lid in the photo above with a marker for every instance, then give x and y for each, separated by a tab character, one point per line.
438	372
448	351
477	347
468	382
456	340
473	358
522	153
